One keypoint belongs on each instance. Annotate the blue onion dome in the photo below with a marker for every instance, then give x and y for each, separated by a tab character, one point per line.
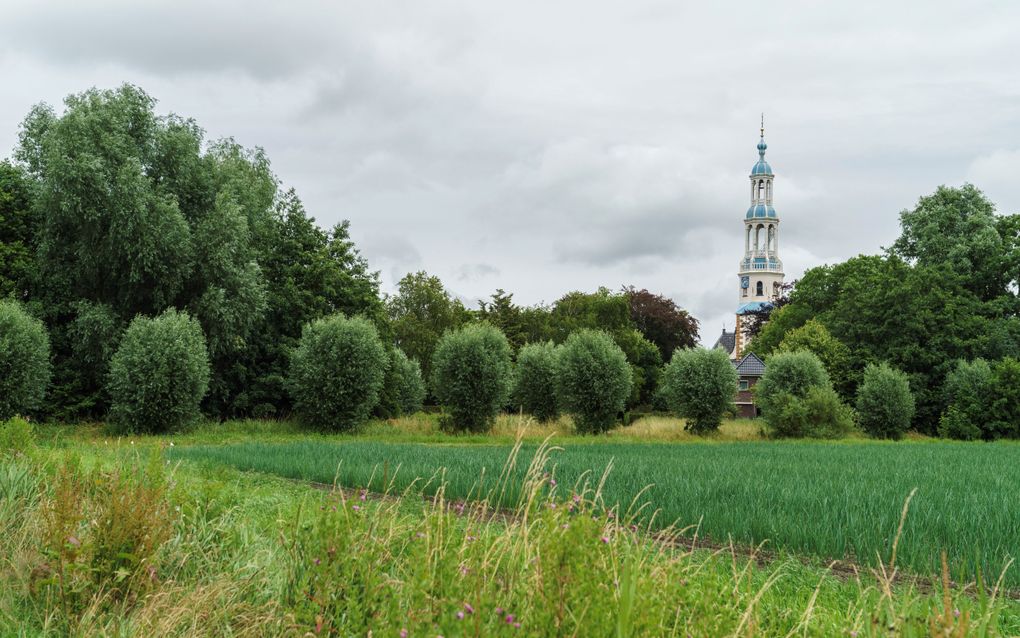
761	167
761	211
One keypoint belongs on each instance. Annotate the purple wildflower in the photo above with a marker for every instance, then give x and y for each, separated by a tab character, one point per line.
509	619
403	633
468	608
517	625
605	539
552	482
460	615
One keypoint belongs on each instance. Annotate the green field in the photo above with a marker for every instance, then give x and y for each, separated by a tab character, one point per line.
100	535
828	500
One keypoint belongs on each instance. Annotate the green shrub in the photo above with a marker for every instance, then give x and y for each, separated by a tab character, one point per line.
15	436
471	375
337	372
792	373
403	389
159	373
698	385
885	406
24	361
535	381
970	394
797	399
818	414
593	380
1005	421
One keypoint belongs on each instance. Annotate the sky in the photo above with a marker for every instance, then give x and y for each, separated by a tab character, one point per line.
544	147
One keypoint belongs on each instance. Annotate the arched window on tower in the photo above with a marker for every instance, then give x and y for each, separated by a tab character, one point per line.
761	189
759	289
759	241
768	191
772	238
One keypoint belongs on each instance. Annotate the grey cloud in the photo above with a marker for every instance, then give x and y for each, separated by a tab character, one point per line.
566	145
472	272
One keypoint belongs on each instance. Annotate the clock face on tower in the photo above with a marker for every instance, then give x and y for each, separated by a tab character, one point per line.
745	282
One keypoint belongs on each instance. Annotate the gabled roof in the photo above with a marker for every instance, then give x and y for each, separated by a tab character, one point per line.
750	366
726	341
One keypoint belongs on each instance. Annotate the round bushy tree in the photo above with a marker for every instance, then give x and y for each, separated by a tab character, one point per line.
159	373
404	389
472	374
699	384
593	380
797	399
885	406
24	361
970	390
535	381
337	372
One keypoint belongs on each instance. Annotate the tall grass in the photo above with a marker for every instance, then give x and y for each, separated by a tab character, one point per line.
833	501
252	555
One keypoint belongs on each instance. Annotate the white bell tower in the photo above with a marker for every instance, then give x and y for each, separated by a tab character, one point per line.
761	271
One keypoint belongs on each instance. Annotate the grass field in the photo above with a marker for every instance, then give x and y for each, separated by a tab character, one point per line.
828	500
103	536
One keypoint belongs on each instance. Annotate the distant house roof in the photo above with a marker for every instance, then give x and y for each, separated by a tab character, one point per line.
750	366
727	341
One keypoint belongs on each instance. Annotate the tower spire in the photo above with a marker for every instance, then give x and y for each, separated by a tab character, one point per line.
763	124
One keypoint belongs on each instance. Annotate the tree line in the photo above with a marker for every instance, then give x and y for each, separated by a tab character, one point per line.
111	213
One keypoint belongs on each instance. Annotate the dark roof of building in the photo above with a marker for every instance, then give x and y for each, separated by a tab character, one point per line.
726	341
750	366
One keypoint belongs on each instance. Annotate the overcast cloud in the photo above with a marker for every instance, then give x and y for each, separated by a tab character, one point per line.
543	147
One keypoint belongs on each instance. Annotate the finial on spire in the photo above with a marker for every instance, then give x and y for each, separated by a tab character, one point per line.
763	124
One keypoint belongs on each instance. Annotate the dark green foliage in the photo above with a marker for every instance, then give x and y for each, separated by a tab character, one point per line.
472	375
661	321
970	395
698	384
645	364
593	380
18	232
337	372
403	389
1005	412
159	374
310	273
791	373
134	217
834	355
602	310
885	406
919	319
797	399
956	230
535	381
24	361
420	313
818	414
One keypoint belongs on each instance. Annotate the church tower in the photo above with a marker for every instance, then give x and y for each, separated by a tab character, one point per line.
761	271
